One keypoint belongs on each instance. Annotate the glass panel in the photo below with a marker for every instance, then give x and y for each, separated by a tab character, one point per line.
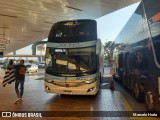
71	62
155	31
153	15
73	31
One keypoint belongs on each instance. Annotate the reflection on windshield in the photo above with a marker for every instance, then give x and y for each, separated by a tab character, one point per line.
71	62
155	31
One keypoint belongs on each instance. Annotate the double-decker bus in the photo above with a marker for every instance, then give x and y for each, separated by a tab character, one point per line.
137	51
74	58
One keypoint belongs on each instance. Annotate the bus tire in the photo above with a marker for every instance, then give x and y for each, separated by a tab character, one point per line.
139	96
150	99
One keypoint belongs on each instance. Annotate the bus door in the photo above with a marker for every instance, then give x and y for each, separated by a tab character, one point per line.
125	69
120	66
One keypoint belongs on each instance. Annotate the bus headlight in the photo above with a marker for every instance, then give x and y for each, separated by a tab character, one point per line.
89	81
48	80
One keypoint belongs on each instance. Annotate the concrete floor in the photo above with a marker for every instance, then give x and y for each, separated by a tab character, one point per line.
106	105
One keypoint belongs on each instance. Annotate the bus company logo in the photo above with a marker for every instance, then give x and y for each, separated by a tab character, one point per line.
6	114
21	114
69	45
71	23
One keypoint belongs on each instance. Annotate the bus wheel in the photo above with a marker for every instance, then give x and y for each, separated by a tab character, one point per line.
149	99
137	93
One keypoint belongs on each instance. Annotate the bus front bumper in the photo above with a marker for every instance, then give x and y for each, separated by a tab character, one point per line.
86	89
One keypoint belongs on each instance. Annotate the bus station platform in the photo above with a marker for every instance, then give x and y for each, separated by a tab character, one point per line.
37	104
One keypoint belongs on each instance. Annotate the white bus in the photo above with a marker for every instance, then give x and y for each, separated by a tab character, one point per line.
74	58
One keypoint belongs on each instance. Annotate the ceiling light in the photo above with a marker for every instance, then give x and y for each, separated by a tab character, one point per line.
28	36
36	31
21	40
73	8
5	27
48	22
8	15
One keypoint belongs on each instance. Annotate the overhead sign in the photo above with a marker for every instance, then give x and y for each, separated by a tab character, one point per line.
41	47
4	41
2	47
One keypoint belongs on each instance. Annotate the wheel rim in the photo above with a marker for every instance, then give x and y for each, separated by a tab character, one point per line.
149	100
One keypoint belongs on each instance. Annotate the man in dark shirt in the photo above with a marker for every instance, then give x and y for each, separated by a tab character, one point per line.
20	71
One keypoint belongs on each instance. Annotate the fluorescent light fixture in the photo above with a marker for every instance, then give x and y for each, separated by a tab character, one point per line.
73	8
48	22
5	27
36	31
20	40
28	36
8	16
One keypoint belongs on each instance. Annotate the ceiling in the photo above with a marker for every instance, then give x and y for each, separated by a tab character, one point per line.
23	22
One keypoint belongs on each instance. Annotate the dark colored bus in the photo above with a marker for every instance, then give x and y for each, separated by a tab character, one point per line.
74	58
137	48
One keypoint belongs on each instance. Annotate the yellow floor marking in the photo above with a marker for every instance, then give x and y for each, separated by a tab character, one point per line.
128	107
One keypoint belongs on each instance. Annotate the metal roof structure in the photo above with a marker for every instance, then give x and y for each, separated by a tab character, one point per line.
23	22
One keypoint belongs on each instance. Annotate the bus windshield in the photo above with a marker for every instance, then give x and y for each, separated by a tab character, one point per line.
73	31
71	62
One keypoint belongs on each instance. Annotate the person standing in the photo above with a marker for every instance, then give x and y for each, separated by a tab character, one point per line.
20	71
9	74
5	66
10	64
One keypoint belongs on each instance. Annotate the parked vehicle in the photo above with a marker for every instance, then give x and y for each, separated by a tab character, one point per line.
74	58
41	65
31	68
136	57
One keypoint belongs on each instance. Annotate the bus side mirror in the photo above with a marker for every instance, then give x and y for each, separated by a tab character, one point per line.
112	71
98	47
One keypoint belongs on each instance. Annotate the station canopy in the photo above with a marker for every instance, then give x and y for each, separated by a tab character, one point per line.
24	22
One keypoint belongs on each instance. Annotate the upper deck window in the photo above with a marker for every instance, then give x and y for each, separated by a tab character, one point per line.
73	31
